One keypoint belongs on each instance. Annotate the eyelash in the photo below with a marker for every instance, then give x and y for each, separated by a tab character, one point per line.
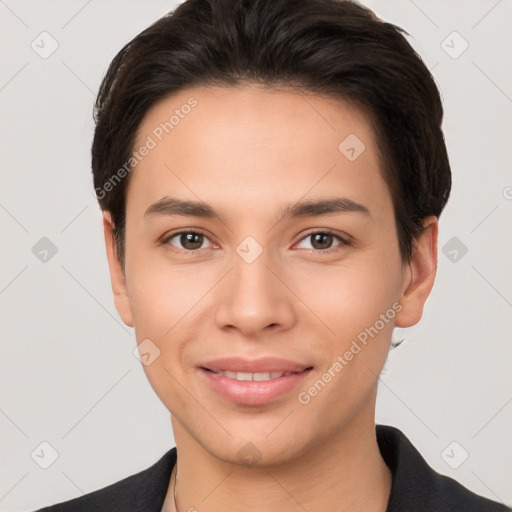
343	241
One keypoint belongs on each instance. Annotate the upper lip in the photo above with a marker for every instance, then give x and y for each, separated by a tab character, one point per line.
264	364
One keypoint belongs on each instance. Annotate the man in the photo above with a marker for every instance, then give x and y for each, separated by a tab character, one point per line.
271	174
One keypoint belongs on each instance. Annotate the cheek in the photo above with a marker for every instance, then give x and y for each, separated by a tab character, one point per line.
171	308
162	306
162	298
354	305
352	296
360	309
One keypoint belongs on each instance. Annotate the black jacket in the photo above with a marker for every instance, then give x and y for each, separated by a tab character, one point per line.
416	486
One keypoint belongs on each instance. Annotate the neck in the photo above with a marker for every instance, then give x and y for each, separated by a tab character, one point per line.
345	473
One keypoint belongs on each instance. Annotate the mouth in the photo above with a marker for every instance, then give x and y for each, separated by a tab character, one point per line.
256	376
253	388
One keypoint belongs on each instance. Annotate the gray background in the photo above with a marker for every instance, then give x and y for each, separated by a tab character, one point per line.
68	376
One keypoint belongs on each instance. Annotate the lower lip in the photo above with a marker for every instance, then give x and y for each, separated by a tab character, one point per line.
248	392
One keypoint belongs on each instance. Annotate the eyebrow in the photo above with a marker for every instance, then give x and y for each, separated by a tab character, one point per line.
169	206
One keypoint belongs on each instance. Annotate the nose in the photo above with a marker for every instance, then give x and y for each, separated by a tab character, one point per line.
254	298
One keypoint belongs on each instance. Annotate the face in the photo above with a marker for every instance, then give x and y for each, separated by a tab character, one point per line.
292	263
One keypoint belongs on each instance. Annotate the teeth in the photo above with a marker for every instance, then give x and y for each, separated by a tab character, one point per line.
259	376
265	376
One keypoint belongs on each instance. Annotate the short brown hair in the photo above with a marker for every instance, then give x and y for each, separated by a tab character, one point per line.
334	47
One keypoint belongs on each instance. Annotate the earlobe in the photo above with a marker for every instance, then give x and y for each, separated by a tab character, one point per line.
117	277
419	275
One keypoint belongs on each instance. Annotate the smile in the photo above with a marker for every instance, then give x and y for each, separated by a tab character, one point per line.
258	376
253	388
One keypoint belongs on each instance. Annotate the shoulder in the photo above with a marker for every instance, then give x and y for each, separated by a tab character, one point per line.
141	491
417	486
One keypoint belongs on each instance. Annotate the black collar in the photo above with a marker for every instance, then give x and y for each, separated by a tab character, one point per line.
416	486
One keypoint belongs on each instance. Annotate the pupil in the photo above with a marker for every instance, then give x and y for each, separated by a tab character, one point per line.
191	240
324	240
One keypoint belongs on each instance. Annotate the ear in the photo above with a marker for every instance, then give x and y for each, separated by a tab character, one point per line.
419	275
117	277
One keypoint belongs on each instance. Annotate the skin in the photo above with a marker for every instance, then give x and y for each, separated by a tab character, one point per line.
248	152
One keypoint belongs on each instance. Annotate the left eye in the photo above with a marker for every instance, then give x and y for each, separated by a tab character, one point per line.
323	240
189	240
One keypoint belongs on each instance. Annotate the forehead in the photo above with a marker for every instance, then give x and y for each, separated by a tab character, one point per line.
251	142
267	114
